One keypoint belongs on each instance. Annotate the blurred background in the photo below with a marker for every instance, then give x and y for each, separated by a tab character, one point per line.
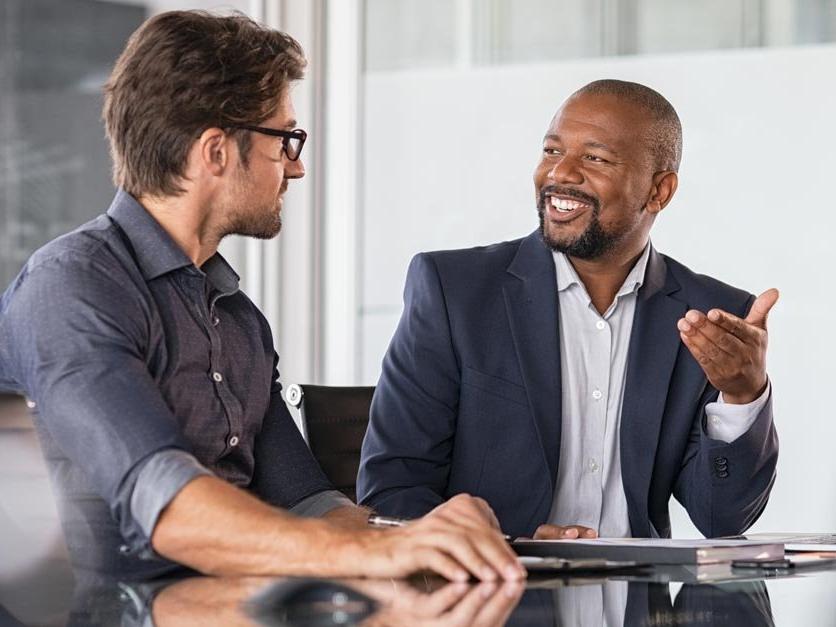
426	119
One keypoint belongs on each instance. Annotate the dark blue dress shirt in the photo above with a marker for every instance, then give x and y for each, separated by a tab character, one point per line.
133	355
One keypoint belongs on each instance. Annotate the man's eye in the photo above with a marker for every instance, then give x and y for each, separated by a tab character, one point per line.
551	151
595	159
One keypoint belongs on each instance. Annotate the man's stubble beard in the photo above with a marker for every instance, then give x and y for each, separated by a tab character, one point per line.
261	222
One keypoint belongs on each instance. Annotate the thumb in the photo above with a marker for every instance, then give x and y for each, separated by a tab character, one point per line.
761	307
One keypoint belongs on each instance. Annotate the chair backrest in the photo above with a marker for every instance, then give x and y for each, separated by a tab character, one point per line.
334	421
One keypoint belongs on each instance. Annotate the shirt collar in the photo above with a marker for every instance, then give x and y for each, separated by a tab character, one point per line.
156	253
221	275
567	276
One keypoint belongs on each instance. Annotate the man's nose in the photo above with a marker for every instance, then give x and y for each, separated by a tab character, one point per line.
294	169
566	171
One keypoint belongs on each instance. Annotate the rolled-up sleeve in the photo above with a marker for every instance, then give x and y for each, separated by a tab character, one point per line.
73	337
148	490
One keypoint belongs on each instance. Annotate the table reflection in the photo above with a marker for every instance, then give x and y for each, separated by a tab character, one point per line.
420	602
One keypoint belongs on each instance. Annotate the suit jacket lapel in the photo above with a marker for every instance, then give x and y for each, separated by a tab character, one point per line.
531	302
654	344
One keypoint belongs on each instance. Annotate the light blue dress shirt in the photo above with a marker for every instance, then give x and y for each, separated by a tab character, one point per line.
593	353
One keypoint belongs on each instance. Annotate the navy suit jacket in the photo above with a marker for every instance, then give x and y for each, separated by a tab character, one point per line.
469	398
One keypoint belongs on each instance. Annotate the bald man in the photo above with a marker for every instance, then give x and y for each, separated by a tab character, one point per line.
577	378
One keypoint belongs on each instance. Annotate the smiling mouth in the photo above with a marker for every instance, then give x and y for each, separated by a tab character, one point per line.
564	205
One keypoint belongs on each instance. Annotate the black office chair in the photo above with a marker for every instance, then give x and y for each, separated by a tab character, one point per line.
334	421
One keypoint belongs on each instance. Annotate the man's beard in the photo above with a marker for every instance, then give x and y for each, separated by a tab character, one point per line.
592	243
260	222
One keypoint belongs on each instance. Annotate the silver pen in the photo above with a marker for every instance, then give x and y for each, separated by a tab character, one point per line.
377	520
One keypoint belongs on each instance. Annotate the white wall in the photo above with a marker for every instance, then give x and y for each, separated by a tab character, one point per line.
448	159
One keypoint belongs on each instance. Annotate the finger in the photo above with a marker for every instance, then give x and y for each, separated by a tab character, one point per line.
699	355
736	326
761	308
441	563
580	531
694	322
493	549
551	532
548	532
716	369
486	541
711	354
701	358
440	601
499	606
556	532
460	548
716	341
586	532
482	551
467	608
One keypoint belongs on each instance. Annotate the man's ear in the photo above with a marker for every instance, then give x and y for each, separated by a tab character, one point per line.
664	187
213	151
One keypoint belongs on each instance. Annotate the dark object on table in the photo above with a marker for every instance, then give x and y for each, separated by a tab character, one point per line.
310	602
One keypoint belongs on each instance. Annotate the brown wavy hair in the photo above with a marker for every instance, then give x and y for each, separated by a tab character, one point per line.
181	73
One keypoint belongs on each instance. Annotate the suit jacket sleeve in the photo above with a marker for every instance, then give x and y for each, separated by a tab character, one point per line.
406	453
725	486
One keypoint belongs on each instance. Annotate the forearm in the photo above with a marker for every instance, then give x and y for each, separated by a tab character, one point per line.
218	529
206	601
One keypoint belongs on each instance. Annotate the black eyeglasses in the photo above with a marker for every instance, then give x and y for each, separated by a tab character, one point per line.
292	141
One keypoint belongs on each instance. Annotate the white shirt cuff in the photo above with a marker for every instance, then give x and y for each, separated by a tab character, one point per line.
727	422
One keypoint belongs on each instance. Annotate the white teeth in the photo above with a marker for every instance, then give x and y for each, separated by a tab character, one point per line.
565	206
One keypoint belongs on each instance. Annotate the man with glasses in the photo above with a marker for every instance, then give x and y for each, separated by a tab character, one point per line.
154	376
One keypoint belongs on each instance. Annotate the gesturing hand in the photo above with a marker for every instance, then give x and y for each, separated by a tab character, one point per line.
730	350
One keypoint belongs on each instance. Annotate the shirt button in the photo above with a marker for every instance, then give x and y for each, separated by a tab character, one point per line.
217	376
216	321
31	404
715	420
600	325
596	394
593	465
233	441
